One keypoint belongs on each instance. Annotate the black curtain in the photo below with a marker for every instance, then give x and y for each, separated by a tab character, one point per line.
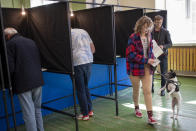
1	51
162	13
3	55
99	23
124	25
50	29
13	18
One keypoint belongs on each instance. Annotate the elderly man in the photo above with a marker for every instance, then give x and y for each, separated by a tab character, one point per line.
26	75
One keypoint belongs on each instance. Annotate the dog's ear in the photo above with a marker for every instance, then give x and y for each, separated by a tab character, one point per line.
171	71
174	74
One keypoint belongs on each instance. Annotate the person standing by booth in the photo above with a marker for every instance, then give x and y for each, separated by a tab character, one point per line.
139	58
162	37
83	49
26	76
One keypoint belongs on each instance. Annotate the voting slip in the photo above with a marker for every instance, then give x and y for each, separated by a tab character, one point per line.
157	61
157	51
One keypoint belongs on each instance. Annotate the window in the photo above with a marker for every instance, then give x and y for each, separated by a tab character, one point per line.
182	20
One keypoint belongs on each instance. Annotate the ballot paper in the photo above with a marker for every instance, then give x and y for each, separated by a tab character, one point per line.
157	51
44	69
157	61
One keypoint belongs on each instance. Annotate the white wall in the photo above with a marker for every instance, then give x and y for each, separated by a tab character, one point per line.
139	3
160	4
135	3
35	3
111	2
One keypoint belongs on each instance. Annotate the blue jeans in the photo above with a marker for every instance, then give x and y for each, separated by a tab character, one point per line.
30	103
82	75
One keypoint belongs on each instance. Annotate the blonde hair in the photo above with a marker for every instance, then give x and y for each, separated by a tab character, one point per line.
142	21
10	31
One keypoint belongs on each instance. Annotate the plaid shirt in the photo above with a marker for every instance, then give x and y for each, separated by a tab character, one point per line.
135	59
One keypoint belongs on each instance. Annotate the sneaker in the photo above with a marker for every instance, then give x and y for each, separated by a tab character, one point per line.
91	113
138	113
80	117
85	118
151	121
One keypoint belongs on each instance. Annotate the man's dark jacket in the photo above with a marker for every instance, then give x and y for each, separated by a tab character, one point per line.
164	39
24	64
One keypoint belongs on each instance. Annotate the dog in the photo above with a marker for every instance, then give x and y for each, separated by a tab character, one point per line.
172	86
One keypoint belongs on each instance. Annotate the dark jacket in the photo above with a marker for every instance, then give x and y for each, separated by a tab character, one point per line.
164	39
24	64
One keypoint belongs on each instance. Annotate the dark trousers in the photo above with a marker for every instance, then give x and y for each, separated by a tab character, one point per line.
164	68
82	75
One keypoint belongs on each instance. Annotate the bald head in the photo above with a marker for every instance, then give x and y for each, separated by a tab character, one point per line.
9	32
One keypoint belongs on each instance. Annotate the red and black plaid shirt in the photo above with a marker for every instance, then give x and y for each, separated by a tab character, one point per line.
135	59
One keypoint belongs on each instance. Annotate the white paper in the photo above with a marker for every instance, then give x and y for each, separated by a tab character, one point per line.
44	69
157	51
157	61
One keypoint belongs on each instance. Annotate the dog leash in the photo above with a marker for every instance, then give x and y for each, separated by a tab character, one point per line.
177	83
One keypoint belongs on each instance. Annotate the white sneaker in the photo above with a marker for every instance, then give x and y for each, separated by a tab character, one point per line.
80	117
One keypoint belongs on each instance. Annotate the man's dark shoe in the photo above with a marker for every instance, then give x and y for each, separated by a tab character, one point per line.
162	93
152	90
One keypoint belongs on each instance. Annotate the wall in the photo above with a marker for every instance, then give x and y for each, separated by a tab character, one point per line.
74	6
15	3
138	3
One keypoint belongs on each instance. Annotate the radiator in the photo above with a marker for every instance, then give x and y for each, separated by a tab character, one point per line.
182	59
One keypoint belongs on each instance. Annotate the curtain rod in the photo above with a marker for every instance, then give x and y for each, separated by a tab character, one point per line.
79	2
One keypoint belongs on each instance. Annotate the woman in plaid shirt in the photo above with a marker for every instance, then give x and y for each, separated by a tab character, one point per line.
139	57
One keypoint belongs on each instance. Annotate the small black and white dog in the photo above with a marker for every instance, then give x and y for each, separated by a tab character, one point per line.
172	87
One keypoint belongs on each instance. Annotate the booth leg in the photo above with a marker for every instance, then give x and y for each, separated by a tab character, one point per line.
75	107
5	108
13	109
4	97
116	89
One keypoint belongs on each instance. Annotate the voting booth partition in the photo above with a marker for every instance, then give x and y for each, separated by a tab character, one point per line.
124	23
49	27
101	29
5	84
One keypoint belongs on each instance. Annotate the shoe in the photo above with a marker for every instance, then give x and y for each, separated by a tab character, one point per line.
80	117
85	118
138	113
152	90
151	121
91	114
162	93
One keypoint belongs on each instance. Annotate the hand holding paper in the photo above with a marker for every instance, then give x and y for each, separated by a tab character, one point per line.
156	62
157	51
